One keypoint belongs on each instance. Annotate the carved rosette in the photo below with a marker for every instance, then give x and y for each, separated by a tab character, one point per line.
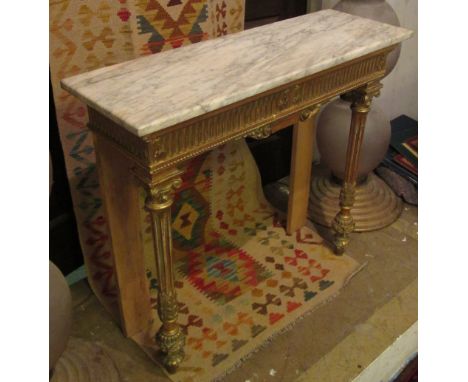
289	97
260	133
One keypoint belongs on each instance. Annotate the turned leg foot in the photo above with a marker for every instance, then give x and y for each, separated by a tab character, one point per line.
170	337
171	343
343	224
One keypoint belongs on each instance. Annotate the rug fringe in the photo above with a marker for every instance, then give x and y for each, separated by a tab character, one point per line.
288	327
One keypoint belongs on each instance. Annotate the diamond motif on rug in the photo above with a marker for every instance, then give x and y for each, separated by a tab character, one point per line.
190	214
221	271
183	221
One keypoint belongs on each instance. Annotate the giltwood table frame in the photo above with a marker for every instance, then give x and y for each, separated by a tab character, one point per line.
125	162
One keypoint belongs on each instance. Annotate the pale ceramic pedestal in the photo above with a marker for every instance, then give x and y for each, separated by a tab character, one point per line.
60	305
324	200
376	205
60	311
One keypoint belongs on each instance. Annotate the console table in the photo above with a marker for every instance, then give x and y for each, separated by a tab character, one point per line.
151	114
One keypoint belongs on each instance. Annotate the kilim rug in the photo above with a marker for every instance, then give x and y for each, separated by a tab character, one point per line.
240	279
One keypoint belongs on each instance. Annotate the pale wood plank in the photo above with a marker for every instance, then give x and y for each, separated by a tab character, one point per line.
299	180
120	195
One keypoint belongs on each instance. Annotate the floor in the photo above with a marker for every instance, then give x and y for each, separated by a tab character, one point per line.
335	343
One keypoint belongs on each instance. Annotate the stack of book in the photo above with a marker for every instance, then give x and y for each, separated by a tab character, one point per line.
402	155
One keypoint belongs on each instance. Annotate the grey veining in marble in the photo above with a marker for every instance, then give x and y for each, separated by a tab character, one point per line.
154	92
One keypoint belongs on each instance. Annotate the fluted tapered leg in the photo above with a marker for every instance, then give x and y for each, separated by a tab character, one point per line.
343	223
170	337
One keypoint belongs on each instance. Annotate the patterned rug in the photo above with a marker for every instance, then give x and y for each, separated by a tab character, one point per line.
240	278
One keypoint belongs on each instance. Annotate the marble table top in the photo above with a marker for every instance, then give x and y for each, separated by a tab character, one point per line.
151	93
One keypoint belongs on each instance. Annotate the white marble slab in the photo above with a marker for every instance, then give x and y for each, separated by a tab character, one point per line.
154	92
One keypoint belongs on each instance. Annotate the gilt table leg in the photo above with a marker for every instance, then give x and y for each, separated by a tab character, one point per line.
170	337
343	224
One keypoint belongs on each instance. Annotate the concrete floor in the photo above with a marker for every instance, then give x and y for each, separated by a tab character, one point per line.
334	343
